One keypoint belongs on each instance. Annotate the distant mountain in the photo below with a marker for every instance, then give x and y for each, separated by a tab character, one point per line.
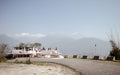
8	40
66	45
83	46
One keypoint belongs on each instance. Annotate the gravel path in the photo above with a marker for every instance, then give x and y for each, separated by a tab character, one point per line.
86	67
32	69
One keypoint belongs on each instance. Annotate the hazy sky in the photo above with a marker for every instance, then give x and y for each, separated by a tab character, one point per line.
88	18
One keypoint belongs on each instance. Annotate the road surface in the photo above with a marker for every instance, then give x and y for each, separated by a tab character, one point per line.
85	67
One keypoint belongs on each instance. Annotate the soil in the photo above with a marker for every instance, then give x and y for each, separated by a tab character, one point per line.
32	69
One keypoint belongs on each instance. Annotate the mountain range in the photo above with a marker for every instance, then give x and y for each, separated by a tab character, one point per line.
66	45
8	40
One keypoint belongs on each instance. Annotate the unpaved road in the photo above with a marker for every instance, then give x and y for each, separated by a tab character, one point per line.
86	67
33	69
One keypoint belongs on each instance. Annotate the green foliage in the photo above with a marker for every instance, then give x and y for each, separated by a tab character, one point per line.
75	56
28	61
84	57
3	59
110	58
38	45
115	50
22	45
65	56
3	50
16	61
44	64
96	57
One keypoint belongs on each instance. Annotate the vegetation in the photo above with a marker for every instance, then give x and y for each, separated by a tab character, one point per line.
22	45
3	59
3	50
17	61
44	64
65	56
115	52
35	45
75	56
38	45
84	57
28	61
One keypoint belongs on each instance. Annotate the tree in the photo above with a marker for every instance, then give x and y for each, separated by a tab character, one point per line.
43	48
3	51
22	45
37	45
115	52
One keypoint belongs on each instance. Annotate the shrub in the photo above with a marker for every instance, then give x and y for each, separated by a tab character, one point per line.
96	58
65	56
3	50
28	61
75	56
110	58
9	56
84	57
115	52
17	61
3	59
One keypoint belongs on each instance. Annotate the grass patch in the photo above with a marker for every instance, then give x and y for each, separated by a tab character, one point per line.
112	62
3	59
107	62
28	61
17	61
43	64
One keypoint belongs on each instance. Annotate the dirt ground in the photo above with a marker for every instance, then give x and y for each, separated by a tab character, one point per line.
24	69
86	66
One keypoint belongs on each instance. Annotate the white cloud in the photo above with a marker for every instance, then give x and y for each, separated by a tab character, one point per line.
77	35
25	34
38	35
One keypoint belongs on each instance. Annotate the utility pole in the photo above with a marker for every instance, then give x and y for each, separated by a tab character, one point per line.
95	49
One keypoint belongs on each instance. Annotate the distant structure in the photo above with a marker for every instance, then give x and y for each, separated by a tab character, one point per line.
36	52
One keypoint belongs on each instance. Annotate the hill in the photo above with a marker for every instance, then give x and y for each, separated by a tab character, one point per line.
67	45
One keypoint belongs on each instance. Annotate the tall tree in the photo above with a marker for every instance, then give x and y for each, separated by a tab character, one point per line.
37	45
115	47
22	45
3	49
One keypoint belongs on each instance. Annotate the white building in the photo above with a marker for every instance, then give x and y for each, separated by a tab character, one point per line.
36	52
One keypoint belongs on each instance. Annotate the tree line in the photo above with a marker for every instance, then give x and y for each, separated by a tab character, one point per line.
115	43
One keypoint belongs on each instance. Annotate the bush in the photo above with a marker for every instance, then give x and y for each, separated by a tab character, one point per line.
75	56
9	56
110	58
28	61
96	58
17	61
115	52
3	50
3	59
65	56
84	57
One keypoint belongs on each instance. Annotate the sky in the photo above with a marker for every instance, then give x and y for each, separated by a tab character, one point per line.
79	18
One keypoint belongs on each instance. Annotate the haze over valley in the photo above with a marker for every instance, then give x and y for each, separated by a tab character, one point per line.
66	45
